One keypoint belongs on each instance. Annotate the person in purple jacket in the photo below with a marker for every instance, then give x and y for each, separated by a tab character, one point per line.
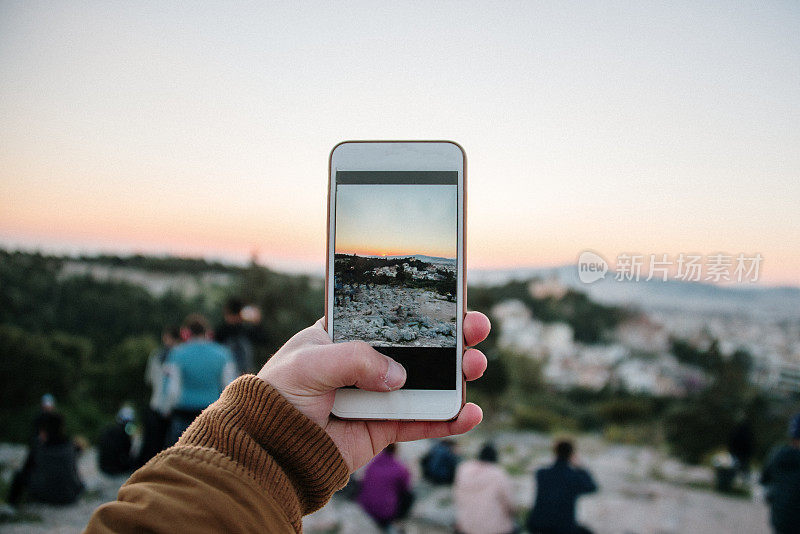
386	488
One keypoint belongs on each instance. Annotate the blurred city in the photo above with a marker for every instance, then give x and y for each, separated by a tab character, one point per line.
163	179
653	395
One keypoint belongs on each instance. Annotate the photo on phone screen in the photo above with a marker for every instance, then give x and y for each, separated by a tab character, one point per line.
395	268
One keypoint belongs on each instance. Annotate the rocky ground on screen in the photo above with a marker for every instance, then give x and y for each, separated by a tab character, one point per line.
396	317
398	301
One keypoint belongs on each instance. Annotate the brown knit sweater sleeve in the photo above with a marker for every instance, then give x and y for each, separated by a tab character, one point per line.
250	462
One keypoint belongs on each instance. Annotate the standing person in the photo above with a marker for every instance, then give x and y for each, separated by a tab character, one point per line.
781	476
156	417
557	490
235	334
196	372
386	488
483	496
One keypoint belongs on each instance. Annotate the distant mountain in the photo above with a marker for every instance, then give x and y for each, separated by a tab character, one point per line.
435	259
420	257
744	299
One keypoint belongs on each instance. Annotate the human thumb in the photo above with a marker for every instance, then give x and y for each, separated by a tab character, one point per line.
355	363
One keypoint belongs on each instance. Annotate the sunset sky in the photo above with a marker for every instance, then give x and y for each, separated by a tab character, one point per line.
205	128
395	220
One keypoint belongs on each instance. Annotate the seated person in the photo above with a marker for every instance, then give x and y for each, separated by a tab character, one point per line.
114	445
483	495
439	464
54	478
557	490
385	490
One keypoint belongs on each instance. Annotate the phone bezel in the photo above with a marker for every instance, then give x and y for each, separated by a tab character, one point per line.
429	405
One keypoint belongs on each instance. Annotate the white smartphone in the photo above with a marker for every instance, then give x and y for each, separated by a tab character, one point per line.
396	271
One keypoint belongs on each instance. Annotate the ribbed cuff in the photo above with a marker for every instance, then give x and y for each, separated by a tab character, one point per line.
288	454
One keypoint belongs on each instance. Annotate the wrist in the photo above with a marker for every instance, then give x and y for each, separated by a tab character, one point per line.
255	426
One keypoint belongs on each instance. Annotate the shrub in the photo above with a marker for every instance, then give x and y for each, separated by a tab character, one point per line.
541	419
119	376
30	366
630	434
626	410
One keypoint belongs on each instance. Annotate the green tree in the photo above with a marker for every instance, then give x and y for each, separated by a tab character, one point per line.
288	304
30	366
118	376
702	423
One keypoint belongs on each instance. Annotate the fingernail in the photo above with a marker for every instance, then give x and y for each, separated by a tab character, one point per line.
395	376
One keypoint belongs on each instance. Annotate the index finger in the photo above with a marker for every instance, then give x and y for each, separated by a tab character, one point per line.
386	432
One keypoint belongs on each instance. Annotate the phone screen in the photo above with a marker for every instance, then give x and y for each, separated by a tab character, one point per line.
395	269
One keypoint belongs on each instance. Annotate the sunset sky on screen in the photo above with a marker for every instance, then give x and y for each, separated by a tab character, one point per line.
395	220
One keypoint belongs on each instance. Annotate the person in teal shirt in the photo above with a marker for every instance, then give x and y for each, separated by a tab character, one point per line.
195	373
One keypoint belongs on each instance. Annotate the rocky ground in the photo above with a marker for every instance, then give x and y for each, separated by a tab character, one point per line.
641	491
396	316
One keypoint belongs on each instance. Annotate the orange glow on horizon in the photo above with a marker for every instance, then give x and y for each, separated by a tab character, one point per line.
305	256
384	253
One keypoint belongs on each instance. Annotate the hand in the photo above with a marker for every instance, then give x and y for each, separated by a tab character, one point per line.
309	368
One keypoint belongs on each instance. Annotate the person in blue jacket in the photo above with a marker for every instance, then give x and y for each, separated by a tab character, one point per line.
557	490
196	372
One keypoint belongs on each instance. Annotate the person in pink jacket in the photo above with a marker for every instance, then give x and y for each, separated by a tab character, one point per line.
483	496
